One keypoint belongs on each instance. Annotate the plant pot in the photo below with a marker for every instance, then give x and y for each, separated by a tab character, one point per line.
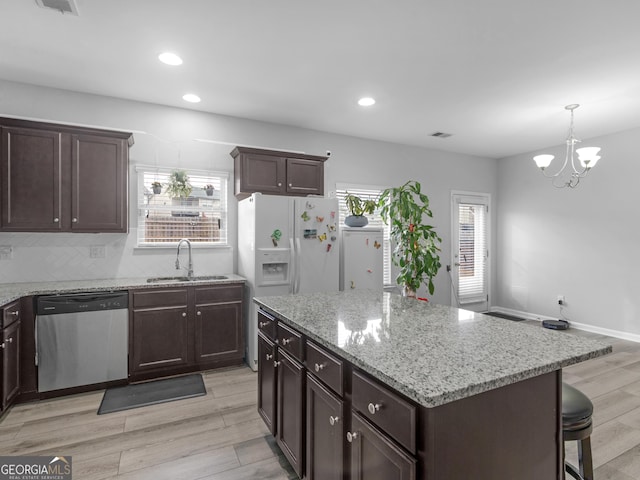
356	221
408	292
157	190
209	191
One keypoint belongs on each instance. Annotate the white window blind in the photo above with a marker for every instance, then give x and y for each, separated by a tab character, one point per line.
472	231
200	217
368	192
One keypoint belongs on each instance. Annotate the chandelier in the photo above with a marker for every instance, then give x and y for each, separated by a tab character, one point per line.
579	168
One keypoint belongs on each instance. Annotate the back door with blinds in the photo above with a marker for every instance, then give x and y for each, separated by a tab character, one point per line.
470	251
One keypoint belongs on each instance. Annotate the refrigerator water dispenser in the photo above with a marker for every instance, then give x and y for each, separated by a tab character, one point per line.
272	266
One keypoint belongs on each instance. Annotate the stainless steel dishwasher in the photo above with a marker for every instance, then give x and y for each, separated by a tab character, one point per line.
81	339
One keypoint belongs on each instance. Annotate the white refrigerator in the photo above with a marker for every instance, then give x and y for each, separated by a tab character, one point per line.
285	245
361	258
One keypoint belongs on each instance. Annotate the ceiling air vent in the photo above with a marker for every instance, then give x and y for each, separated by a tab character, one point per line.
62	6
441	135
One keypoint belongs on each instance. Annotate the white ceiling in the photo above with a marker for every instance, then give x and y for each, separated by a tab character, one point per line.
494	73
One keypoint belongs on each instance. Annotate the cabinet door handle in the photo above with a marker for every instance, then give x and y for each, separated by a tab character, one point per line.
74	220
276	364
10	339
269	356
198	313
351	436
291	184
333	420
279	184
2	345
184	314
373	408
318	366
286	340
263	324
56	220
16	313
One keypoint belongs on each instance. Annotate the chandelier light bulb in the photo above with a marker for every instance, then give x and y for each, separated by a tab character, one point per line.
543	161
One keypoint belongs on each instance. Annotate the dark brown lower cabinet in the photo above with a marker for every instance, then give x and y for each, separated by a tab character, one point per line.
375	457
160	338
290	411
10	363
218	332
267	382
325	438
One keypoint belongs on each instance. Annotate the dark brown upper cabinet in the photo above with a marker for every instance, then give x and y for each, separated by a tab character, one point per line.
59	178
277	173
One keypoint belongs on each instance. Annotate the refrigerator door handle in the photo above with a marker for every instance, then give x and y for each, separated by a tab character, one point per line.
297	284
293	266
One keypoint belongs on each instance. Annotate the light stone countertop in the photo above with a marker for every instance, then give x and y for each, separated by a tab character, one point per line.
433	354
13	291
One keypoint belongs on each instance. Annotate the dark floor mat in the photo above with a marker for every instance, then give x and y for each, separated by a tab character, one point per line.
150	393
505	315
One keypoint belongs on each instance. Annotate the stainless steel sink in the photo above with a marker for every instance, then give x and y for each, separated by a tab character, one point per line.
200	278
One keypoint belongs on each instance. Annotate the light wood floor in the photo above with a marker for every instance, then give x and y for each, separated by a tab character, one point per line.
221	437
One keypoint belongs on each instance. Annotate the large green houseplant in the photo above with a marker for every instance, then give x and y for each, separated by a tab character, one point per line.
179	186
416	243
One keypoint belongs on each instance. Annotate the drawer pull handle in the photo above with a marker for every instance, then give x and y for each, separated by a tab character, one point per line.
269	356
198	313
56	220
286	341
373	408
2	345
333	420
263	324
351	436
16	313
318	367
184	314
276	364
10	339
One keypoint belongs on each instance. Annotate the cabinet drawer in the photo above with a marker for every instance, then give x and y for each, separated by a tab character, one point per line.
267	325
325	366
394	415
10	313
166	297
219	294
290	341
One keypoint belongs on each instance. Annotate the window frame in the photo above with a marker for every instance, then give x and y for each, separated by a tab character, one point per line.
222	210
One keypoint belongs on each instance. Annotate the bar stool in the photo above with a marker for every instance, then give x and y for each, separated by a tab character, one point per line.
577	426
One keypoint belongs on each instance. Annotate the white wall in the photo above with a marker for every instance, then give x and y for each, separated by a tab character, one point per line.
575	242
353	160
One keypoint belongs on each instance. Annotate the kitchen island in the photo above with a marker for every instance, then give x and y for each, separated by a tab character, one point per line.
379	386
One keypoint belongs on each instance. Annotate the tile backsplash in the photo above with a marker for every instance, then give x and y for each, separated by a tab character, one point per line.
34	257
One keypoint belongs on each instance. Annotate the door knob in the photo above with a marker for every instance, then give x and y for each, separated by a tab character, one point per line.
351	436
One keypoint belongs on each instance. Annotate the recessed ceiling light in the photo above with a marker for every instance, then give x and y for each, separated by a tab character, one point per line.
170	58
366	101
190	97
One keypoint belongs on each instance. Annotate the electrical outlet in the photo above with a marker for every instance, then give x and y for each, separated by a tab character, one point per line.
6	252
97	251
561	300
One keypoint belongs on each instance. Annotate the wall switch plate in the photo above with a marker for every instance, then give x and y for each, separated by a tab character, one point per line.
97	251
6	252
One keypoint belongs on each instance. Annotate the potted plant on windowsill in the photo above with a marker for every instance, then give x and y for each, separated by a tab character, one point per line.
156	187
358	207
179	189
209	189
416	243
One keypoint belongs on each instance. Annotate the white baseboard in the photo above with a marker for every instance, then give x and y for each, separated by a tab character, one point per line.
632	337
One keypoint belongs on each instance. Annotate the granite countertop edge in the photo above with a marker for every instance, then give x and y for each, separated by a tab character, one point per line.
10	292
444	397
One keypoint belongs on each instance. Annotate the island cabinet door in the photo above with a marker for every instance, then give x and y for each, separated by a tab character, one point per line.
290	412
267	382
374	456
325	439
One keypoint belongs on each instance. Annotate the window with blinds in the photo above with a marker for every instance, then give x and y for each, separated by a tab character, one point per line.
472	235
368	192
199	215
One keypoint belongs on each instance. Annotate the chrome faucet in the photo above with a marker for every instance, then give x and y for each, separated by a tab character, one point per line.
190	270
